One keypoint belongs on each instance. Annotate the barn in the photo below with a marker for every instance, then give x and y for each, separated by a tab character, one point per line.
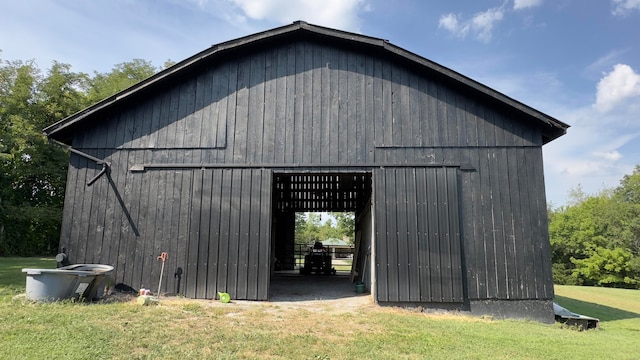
210	159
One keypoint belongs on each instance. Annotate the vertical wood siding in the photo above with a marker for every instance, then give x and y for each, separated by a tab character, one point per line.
418	250
305	103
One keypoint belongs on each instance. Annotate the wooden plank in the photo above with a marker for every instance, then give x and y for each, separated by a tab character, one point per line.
204	236
252	221
432	124
402	233
298	111
376	108
290	109
97	223
413	234
231	113
221	93
366	122
342	137
185	215
192	267
241	131
526	241
244	239
457	283
540	226
511	270
445	255
214	233
515	225
264	253
278	117
72	200
173	182
123	230
328	121
487	270
235	215
314	104
415	119
360	134
154	186
435	272
381	235
387	106
82	224
109	248
255	108
144	120
204	111
134	240
225	230
422	252
496	172
402	103
273	101
307	103
392	237
452	119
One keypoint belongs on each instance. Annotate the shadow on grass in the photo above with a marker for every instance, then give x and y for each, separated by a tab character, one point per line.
603	313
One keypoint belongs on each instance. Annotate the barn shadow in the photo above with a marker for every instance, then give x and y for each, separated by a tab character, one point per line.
601	312
291	286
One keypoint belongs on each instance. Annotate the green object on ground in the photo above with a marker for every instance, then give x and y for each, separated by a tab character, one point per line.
224	297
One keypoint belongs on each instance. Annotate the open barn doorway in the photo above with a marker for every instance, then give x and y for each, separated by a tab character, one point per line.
308	266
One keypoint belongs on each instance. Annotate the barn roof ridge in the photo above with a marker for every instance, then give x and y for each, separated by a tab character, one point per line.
555	129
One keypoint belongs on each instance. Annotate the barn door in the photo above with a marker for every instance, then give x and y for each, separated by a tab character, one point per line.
229	238
418	255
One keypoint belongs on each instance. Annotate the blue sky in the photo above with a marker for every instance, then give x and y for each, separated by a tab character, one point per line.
576	60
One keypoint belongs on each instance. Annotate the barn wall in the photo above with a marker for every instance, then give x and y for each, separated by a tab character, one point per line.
304	104
214	224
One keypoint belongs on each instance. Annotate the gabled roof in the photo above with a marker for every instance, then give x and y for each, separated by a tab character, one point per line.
64	129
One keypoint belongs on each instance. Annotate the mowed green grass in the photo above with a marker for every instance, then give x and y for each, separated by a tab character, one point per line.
199	329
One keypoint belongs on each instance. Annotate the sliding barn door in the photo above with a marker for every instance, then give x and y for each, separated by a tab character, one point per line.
417	234
229	236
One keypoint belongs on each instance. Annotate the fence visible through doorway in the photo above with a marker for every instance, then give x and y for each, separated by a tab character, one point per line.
341	257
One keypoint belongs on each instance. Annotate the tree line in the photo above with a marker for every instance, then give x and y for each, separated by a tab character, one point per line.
33	171
595	239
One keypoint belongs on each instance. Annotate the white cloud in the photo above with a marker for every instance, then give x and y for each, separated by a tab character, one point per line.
481	24
523	4
617	86
340	14
623	7
612	155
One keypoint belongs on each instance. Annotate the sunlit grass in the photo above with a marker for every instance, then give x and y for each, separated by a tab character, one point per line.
179	328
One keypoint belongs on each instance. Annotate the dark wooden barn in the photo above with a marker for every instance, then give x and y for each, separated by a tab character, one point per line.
210	159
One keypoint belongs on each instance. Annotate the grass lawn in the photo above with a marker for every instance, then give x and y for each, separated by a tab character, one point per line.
196	329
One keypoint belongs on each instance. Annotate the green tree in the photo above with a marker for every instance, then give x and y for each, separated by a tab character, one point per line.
32	172
346	224
122	76
596	239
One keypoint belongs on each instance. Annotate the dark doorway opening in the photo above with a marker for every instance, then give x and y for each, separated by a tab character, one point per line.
318	192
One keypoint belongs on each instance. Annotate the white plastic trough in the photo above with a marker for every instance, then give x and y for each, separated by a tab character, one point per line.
84	281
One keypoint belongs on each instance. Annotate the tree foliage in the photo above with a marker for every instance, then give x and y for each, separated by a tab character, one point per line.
596	239
33	171
309	227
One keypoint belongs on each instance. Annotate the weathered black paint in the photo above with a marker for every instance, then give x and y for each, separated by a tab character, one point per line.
459	209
